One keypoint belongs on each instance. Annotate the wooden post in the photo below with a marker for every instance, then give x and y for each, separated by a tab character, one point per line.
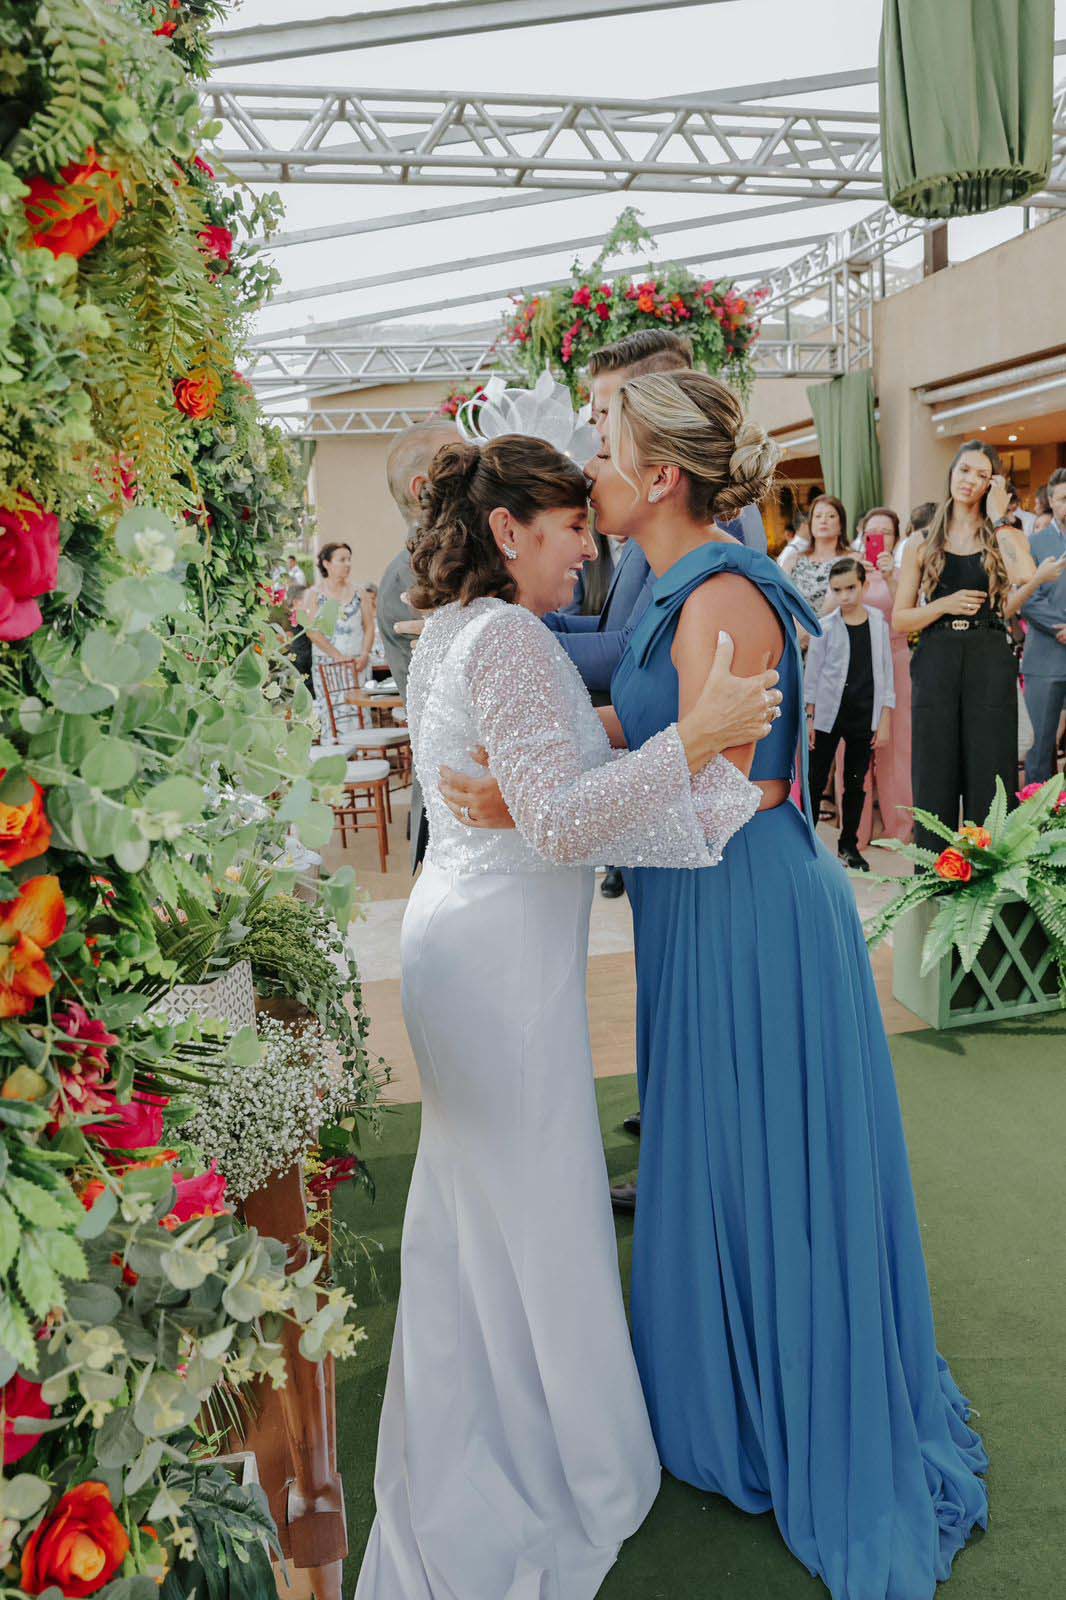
935	244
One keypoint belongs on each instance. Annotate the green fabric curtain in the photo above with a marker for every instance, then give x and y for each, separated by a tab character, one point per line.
965	103
843	412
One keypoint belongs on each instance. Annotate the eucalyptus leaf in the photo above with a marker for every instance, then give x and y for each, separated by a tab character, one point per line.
110	764
119	1440
22	1496
95	1304
181	797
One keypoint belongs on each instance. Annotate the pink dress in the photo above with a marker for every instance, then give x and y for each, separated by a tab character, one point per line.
889	777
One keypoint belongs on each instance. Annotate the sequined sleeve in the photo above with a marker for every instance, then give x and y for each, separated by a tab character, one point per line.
641	808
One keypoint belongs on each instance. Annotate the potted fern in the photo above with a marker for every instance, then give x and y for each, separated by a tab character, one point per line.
979	932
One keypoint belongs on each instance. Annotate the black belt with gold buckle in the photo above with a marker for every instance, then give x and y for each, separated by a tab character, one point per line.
964	624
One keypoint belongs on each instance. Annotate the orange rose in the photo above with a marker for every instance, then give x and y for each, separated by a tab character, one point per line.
198	394
25	831
646	303
977	836
70	217
953	867
78	1547
30	923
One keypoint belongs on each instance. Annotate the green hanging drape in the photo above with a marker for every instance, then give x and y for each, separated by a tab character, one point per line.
965	103
843	412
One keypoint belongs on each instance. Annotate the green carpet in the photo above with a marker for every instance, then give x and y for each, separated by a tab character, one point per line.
985	1111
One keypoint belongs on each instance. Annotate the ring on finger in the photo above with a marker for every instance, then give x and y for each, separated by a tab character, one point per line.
464	812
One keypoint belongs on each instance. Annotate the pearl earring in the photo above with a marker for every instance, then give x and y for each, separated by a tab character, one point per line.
510	552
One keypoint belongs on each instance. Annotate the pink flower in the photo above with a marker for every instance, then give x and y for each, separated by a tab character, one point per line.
198	1197
85	1036
605	291
203	166
139	1125
1034	788
582	297
29	567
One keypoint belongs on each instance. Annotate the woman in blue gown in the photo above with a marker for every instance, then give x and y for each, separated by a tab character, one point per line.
781	1309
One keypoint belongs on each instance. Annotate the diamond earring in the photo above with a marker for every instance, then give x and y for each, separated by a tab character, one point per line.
654	496
510	552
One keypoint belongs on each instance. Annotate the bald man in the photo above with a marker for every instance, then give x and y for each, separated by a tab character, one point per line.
407	467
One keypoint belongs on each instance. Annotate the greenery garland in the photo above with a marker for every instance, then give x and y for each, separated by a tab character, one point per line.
153	741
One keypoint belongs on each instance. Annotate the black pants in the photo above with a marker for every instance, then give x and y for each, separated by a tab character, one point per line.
964	725
858	743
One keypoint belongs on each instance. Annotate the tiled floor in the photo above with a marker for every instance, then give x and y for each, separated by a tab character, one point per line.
612	991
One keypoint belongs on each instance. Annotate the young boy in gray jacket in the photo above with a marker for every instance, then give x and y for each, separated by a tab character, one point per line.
849	690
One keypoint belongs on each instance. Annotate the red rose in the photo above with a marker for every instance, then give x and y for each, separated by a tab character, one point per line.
20	1398
603	312
139	1125
198	394
582	297
203	166
198	1197
167	31
953	867
70	217
25	831
78	1547
217	243
29	567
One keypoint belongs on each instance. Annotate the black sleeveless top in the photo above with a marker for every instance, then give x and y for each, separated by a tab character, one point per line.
962	572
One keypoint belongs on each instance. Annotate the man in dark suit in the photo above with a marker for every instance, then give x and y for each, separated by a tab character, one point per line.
407	467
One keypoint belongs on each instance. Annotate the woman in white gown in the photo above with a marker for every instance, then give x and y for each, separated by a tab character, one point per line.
514	1452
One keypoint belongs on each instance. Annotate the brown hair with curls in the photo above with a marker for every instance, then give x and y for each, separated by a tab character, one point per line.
841	511
934	550
453	554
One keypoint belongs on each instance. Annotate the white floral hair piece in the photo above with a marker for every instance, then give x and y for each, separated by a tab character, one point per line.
543	412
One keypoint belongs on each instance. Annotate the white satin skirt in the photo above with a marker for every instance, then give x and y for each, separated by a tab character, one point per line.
514	1453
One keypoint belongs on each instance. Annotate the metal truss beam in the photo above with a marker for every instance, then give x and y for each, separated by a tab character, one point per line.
704	146
524	252
339	368
389	364
282	41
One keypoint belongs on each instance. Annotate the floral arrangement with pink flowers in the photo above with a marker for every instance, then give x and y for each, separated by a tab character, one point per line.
562	327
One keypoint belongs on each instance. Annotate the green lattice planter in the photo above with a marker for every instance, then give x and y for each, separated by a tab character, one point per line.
1015	974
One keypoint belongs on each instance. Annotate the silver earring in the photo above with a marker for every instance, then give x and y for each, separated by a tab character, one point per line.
654	496
510	552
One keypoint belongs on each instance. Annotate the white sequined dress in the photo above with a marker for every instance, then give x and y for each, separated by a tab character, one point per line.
514	1452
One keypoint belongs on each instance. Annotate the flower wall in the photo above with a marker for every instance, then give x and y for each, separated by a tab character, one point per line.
152	742
562	327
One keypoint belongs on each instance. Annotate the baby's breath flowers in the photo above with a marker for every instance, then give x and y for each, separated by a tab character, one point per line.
259	1120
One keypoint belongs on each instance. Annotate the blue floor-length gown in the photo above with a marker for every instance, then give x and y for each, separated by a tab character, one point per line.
781	1310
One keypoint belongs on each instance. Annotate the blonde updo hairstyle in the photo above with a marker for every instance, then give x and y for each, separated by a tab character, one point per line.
691	421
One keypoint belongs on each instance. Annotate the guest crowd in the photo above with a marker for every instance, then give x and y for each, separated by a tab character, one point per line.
940	667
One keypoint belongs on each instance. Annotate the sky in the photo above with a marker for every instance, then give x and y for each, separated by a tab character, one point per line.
646	55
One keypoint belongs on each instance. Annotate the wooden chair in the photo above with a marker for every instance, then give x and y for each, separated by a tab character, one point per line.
344	697
394	744
366	803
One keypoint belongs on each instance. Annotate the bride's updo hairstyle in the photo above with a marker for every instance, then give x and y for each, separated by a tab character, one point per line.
453	554
691	421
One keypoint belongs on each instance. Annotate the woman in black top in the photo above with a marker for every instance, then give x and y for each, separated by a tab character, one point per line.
956	591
